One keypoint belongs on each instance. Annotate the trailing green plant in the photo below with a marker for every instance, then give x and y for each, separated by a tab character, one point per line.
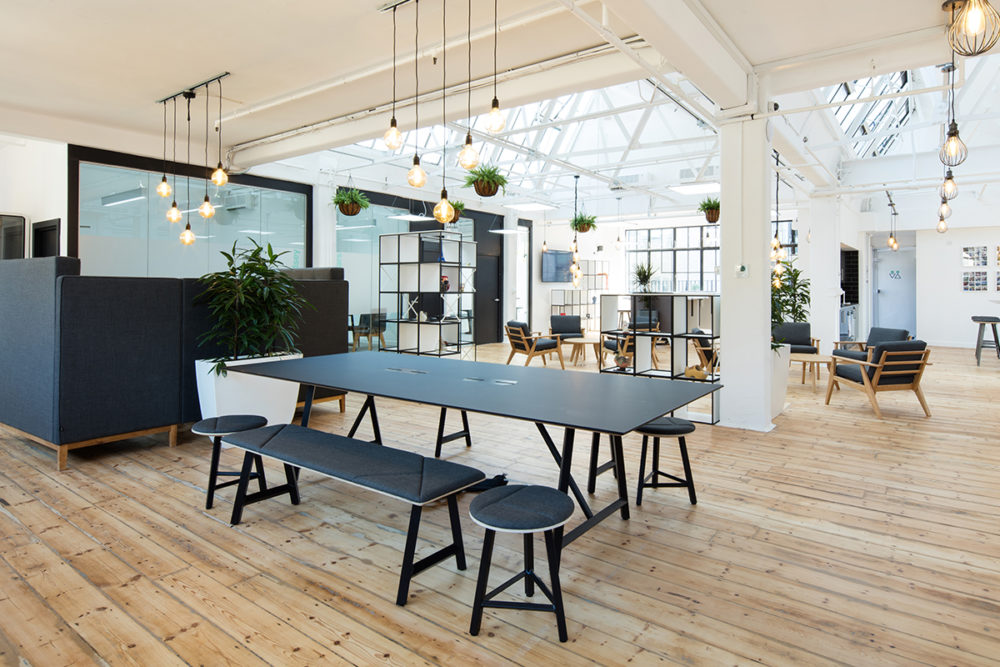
350	196
459	206
487	174
254	305
789	294
583	223
643	275
708	204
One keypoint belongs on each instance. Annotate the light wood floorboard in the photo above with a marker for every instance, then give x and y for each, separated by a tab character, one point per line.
837	538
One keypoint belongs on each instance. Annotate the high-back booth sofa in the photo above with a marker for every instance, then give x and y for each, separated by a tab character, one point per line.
86	360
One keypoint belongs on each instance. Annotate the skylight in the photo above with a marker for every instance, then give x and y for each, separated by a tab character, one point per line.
870	124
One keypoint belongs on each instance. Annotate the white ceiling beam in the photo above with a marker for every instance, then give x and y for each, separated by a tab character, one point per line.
919	170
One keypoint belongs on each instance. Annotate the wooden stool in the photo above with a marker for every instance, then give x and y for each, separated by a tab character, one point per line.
215	428
670	427
522	509
983	320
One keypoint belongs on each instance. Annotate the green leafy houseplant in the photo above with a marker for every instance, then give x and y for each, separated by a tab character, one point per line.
583	223
710	207
350	201
643	275
459	207
789	294
486	180
254	304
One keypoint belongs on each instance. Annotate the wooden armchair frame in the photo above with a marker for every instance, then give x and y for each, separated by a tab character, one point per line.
521	344
701	350
886	366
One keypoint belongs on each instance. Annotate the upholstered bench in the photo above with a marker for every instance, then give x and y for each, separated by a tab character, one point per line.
412	478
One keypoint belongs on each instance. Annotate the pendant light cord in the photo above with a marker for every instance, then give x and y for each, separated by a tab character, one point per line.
416	79
207	170
175	147
576	190
468	36
164	139
219	128
393	61
496	30
777	182
189	151
444	83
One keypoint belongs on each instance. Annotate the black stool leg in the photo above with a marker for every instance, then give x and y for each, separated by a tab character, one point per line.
529	564
656	460
456	531
484	575
261	480
241	489
996	341
687	471
553	547
213	471
642	471
979	341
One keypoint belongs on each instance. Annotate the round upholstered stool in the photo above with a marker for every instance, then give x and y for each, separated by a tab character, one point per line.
982	321
216	428
669	427
522	509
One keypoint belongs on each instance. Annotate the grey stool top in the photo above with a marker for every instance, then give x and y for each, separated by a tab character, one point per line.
519	508
227	424
985	318
666	426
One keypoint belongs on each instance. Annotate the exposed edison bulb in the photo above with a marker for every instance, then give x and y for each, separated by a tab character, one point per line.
974	21
206	210
219	176
942	226
468	157
776	282
779	269
576	281
164	189
416	177
545	246
393	138
173	213
949	189
782	254
895	245
954	151
892	239
187	236
443	210
775	243
576	257
944	210
495	122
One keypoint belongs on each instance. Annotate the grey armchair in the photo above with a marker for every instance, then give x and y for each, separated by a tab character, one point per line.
565	326
888	366
876	336
797	335
523	342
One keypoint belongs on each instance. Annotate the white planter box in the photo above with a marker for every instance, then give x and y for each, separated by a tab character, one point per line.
243	394
779	379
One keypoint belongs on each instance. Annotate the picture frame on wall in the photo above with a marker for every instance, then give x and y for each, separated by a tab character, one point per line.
975	256
974	281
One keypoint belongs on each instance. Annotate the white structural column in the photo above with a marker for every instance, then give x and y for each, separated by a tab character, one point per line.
745	226
819	248
510	269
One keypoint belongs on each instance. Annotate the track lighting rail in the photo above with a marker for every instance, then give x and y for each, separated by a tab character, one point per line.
188	92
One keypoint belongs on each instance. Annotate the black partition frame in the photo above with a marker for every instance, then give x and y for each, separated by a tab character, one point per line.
77	154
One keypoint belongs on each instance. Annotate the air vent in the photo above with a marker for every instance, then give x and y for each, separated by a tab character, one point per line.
712	173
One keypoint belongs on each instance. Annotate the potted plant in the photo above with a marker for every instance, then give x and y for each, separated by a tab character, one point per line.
710	207
583	223
643	275
254	309
350	200
487	180
459	210
789	303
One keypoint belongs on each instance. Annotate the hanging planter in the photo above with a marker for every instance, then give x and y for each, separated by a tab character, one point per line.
583	223
487	180
459	210
710	207
350	201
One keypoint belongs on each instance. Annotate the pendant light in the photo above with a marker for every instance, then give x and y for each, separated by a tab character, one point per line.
495	122
163	189
416	177
975	29
778	254
949	189
944	210
206	210
575	246
444	211
393	138
173	213
187	236
891	242
942	226
468	158
219	176
954	151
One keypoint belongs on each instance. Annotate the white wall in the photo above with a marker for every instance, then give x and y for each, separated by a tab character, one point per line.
943	309
33	182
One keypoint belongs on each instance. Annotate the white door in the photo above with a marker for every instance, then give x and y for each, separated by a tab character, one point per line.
895	288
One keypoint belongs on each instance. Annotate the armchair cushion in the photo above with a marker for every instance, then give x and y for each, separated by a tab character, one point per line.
879	335
857	355
793	333
546	344
566	326
523	326
803	349
916	346
852	372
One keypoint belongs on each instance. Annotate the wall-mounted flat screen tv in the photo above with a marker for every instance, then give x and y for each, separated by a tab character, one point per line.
555	266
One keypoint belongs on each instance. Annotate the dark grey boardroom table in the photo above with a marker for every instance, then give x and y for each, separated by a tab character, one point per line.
597	402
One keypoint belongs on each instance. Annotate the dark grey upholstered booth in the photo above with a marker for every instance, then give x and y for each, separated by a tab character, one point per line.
797	335
88	359
875	336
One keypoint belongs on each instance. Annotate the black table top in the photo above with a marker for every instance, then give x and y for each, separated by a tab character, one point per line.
590	401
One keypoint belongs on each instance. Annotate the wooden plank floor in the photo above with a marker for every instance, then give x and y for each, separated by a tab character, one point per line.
836	538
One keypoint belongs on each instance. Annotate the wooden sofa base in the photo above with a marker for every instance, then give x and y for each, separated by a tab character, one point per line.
339	397
63	450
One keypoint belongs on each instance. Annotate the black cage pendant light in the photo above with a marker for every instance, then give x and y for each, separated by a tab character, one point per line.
949	189
416	177
954	151
187	236
206	210
219	176
975	29
495	122
444	211
174	213
393	138
164	189
468	158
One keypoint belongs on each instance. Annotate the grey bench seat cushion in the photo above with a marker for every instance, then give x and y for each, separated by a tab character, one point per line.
227	424
519	508
394	472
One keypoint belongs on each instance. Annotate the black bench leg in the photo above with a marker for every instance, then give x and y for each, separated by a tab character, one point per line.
411	546
529	564
553	546
241	488
292	479
440	438
456	531
642	471
261	479
484	576
213	471
368	407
